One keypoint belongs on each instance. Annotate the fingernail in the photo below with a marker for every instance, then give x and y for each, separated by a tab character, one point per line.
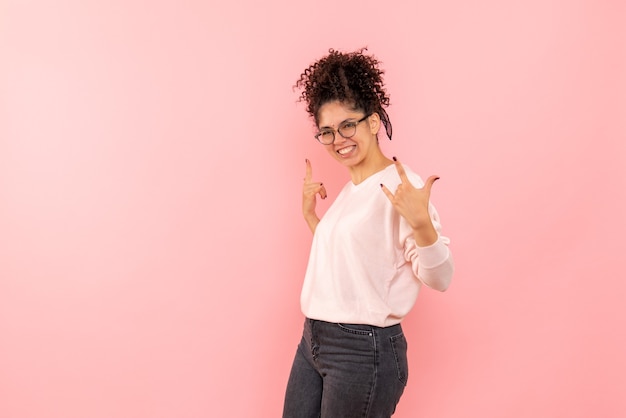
321	184
306	160
381	185
395	159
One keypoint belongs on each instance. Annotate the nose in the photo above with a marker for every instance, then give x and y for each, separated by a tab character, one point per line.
338	138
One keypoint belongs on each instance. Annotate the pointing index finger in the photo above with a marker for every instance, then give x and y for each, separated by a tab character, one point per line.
401	171
309	171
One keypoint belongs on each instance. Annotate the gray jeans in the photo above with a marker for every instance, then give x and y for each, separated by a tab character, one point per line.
347	371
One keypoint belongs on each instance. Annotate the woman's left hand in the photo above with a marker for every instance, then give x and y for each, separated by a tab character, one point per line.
411	202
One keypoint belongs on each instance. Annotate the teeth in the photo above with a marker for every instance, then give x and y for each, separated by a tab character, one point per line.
345	150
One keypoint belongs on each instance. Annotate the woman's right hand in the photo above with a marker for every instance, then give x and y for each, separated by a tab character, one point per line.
310	190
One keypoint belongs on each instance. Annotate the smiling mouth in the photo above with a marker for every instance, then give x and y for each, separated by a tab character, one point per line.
346	150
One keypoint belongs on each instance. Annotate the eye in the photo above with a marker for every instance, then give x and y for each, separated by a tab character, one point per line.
348	125
325	136
348	129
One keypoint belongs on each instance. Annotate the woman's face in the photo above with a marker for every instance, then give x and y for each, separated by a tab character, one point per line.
359	147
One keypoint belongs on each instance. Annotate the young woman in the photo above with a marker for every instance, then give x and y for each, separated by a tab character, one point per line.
372	250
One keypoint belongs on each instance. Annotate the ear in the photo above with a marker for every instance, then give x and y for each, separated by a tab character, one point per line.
374	123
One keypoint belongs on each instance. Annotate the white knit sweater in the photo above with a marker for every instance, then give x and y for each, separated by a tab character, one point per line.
364	266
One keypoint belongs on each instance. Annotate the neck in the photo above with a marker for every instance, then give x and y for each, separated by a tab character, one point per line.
369	166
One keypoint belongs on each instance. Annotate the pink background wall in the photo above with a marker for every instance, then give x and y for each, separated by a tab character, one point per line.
151	243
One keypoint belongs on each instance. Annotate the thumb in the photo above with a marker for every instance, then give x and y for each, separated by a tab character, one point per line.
429	182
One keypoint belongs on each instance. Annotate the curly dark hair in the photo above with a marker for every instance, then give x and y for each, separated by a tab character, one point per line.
351	77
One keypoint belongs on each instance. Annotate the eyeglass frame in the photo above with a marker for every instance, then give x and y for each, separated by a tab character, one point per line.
333	131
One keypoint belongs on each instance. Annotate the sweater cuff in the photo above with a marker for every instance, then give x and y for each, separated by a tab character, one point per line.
433	255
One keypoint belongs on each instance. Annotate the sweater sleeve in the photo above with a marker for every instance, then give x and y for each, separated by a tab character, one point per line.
432	265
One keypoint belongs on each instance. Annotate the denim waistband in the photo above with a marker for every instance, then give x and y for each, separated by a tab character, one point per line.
391	330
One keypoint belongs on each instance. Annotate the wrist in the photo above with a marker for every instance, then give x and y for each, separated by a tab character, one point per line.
425	234
421	223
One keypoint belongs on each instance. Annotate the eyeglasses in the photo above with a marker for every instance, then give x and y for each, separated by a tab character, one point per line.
346	130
